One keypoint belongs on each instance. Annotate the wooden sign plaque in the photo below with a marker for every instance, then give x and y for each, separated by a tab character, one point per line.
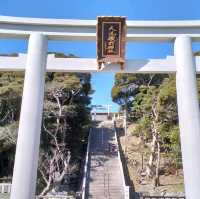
111	39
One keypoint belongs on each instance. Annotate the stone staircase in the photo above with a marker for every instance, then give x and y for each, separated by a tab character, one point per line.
105	179
107	185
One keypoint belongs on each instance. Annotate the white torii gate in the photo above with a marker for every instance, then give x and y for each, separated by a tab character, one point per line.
102	107
39	31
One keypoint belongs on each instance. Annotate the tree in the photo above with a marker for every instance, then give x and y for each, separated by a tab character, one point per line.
154	111
11	84
65	117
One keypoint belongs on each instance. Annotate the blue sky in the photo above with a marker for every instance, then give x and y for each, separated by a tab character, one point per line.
90	9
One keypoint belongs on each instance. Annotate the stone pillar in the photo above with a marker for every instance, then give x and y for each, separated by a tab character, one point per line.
114	116
108	109
189	117
26	158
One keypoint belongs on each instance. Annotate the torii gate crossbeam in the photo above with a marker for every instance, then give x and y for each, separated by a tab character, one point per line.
39	31
90	65
85	30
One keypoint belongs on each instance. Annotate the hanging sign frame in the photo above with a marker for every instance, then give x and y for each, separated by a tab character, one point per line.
111	40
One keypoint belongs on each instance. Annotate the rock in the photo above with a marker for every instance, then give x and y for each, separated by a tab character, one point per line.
143	182
143	174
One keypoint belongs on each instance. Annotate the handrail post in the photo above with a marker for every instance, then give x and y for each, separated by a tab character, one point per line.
85	176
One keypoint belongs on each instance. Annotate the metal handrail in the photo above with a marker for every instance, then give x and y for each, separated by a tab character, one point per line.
108	186
162	197
126	187
85	175
104	184
54	197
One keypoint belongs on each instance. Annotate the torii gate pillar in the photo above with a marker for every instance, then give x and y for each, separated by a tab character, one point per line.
27	151
189	116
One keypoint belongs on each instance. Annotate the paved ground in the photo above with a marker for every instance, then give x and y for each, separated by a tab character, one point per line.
4	196
105	178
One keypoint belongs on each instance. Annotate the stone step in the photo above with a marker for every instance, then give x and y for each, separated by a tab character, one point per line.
106	193
107	189
116	196
106	197
110	181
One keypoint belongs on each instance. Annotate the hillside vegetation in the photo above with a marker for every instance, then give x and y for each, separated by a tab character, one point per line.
65	124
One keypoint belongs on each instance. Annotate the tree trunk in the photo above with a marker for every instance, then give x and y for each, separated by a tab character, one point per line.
46	189
157	180
155	133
